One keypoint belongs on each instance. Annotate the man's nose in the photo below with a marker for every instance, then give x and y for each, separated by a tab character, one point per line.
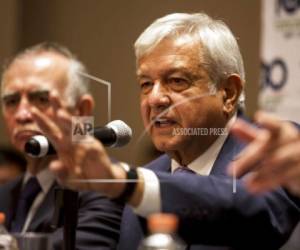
23	114
159	96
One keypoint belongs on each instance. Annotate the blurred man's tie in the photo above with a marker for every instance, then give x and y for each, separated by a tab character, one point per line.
26	198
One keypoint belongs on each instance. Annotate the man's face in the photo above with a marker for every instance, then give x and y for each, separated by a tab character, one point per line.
26	84
175	94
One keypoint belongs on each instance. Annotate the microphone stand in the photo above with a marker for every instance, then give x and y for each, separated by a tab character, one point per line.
66	213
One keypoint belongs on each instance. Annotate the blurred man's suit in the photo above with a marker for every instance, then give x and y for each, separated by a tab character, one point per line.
98	218
211	214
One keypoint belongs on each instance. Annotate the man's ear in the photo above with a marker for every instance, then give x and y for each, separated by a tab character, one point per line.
85	105
231	89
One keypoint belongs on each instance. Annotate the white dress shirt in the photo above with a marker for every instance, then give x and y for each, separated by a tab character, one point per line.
201	165
46	180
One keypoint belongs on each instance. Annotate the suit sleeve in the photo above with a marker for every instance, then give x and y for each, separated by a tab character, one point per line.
210	213
98	224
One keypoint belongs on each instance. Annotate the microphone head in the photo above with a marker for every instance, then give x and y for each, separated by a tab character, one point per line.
37	146
123	132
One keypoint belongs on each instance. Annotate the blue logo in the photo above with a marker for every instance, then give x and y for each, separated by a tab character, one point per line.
267	78
288	6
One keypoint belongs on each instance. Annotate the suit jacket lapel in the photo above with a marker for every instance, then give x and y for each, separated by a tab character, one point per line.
231	148
161	164
13	201
42	219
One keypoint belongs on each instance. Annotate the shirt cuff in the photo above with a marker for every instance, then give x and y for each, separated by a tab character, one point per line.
151	201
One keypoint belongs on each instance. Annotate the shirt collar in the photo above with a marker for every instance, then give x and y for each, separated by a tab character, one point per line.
44	177
203	164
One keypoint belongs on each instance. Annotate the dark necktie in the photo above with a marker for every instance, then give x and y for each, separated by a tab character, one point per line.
27	196
183	170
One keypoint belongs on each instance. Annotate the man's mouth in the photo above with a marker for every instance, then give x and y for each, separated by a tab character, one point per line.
163	122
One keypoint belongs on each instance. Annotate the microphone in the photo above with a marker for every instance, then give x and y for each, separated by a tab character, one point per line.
115	134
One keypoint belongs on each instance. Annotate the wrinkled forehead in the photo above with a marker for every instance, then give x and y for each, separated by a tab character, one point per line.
172	45
48	68
174	51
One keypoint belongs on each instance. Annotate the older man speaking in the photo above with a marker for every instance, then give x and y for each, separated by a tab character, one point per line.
191	78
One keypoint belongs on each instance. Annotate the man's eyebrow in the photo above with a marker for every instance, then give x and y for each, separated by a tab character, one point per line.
185	71
31	93
139	76
9	95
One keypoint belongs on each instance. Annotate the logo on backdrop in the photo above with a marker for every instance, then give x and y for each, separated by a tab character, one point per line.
274	74
287	17
287	6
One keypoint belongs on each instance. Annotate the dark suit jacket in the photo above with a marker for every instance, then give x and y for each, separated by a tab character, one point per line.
98	218
212	216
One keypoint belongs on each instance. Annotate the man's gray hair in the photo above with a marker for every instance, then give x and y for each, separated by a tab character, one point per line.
78	84
220	50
